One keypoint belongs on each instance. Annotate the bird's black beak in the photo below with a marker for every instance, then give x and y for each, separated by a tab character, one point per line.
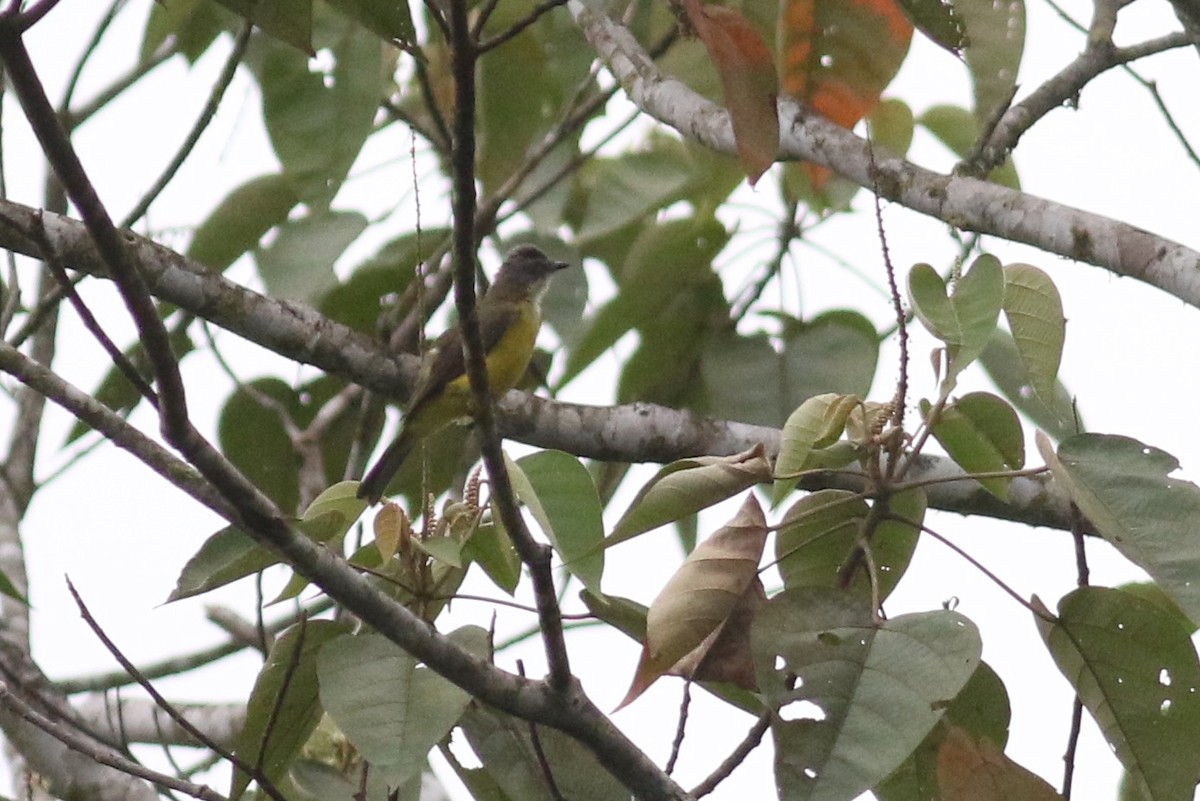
560	265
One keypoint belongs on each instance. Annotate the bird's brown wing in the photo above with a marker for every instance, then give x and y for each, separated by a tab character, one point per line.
444	362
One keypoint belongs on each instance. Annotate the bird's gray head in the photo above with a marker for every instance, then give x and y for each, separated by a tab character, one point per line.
525	272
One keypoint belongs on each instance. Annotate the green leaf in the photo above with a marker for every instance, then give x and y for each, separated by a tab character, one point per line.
1135	669
391	709
390	19
958	129
865	694
319	120
192	25
939	21
7	587
982	433
225	557
492	550
624	190
283	708
560	494
665	260
504	747
996	34
358	300
836	351
333	512
1035	316
964	318
241	219
1056	416
298	264
820	534
289	21
685	487
1124	489
816	424
981	708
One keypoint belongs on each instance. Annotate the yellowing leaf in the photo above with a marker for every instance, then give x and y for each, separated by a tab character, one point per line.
747	71
701	595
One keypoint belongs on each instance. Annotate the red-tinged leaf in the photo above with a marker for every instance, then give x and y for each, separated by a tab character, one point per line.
976	770
704	592
837	57
747	70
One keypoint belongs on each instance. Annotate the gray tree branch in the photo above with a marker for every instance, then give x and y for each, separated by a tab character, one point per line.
966	203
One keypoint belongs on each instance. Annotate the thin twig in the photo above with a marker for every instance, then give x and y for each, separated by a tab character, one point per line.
731	762
539	753
1072	745
685	704
89	49
264	783
202	122
533	16
82	744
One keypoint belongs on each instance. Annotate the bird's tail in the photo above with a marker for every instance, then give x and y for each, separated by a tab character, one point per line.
375	483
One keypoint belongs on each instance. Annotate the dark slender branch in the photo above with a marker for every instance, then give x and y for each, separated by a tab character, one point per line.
54	265
685	704
180	719
730	763
521	24
35	14
1072	745
88	50
535	555
202	122
72	119
71	174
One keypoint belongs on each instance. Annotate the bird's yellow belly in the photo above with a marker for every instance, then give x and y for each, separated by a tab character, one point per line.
508	360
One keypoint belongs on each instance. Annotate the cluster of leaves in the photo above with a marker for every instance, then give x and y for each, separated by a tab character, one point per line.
904	705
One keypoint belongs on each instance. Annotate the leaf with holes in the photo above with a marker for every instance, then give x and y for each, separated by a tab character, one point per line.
1125	490
854	697
1135	669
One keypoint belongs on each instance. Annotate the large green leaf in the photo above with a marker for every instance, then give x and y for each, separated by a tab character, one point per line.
981	708
283	708
387	18
503	745
1135	669
819	538
560	494
191	25
958	129
318	120
1056	414
241	219
289	21
298	264
1125	490
854	697
965	317
1035	315
817	424
982	433
665	260
685	487
833	352
996	34
390	708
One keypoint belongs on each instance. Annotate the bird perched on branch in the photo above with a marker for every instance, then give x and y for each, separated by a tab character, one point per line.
509	318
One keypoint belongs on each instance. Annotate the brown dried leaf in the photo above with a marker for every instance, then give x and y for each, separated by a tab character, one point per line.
976	770
725	654
701	596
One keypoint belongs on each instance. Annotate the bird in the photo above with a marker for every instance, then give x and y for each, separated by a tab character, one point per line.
509	317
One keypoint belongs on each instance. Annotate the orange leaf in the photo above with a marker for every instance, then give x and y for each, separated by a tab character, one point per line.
704	592
838	56
747	71
976	770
